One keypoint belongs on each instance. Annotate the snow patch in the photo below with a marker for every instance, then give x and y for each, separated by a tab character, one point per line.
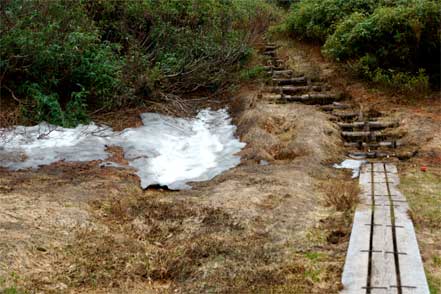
353	164
165	150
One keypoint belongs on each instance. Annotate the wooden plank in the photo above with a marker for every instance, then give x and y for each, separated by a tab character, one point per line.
356	266
355	270
411	266
383	273
384	278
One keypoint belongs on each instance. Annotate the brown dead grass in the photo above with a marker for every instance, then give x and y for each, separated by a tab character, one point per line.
168	245
422	190
341	195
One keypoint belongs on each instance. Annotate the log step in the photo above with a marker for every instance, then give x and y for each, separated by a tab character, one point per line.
271	97
334	106
346	116
382	154
271	47
372	136
311	99
273	68
388	144
361	134
299	81
370	124
282	72
270	53
289	90
294	90
371	154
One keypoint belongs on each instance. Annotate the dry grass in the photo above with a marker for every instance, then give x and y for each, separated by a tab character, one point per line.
422	191
193	249
341	195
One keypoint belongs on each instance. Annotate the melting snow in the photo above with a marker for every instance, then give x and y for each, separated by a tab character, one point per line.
351	164
165	150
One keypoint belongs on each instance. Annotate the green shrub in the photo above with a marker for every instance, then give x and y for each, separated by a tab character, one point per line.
401	38
49	52
255	72
65	58
387	41
185	45
406	82
316	19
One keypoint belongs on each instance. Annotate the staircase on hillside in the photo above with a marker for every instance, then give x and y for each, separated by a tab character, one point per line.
366	134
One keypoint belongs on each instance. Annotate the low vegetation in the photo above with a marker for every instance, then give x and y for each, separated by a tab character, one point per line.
342	197
144	241
61	60
389	42
422	190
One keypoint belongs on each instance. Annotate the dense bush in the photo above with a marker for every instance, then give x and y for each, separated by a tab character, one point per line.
64	58
384	40
398	38
51	55
315	19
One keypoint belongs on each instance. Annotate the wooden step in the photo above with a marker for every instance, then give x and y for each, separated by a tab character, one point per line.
369	136
281	72
333	106
402	155
270	53
299	81
371	125
346	116
271	47
388	144
310	99
293	90
371	154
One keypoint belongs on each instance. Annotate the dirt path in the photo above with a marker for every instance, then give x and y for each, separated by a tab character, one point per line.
280	227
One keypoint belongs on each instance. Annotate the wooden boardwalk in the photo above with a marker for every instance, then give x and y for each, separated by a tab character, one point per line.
383	255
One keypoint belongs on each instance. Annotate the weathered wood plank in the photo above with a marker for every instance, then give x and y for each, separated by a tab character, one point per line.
355	271
386	251
356	266
411	266
383	273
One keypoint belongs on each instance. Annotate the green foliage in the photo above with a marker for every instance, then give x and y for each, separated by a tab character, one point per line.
182	45
255	72
388	41
64	58
411	83
12	290
49	52
405	37
46	107
315	19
